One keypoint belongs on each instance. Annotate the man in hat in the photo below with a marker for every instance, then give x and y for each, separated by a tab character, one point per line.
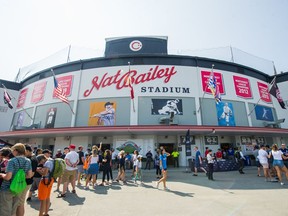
106	117
71	160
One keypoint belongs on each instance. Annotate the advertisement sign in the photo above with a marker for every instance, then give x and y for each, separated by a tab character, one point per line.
66	83
211	140
166	106
22	98
264	93
242	87
205	79
225	114
38	92
102	114
50	118
264	113
183	140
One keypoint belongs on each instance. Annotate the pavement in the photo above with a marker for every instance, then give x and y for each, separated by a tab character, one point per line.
230	194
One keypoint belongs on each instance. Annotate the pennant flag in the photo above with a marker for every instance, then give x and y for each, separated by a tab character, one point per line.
187	137
59	92
212	85
7	99
129	83
274	91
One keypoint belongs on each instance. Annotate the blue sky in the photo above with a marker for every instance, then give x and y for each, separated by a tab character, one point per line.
32	30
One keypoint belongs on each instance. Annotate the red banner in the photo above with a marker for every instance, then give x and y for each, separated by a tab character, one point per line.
66	84
242	87
264	93
38	92
22	98
205	79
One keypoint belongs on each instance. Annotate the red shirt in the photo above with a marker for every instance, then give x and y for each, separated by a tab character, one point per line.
219	154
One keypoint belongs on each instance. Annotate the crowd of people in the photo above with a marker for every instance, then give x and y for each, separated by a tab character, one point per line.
39	167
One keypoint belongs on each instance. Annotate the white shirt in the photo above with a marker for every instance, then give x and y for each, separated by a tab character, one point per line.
210	158
73	157
263	156
138	164
277	155
94	160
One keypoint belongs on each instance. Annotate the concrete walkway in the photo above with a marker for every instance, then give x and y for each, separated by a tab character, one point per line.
230	194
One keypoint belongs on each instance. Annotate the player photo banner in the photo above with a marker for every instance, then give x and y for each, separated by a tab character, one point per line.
242	87
263	92
50	118
205	80
38	92
264	113
225	114
166	106
102	114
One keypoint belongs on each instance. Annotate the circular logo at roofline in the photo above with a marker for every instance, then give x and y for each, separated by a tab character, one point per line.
135	45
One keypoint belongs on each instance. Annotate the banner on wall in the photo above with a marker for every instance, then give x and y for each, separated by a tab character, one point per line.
38	92
225	114
20	119
66	84
205	80
263	92
264	113
141	145
22	98
50	117
211	140
242	87
102	114
166	106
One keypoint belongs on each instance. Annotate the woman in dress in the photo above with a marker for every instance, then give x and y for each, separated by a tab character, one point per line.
163	167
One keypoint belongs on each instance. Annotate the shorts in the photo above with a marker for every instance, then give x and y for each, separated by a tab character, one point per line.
265	165
9	203
279	163
23	195
69	175
197	164
80	169
35	184
44	190
258	164
93	169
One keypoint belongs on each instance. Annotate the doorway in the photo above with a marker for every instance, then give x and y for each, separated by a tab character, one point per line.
168	148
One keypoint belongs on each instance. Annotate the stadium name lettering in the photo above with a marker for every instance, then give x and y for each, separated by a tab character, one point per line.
166	90
120	80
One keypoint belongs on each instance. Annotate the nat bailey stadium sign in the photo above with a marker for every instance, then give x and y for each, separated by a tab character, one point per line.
120	80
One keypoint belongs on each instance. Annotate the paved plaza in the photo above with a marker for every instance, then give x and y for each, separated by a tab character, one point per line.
230	194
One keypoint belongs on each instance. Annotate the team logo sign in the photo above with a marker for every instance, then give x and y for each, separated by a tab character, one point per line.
135	45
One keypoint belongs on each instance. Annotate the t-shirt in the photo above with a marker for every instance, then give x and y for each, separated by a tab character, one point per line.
34	164
197	156
81	154
50	165
13	166
139	164
263	156
277	155
163	159
73	157
175	154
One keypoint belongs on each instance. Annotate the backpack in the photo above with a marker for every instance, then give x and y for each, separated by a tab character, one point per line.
237	155
18	183
58	168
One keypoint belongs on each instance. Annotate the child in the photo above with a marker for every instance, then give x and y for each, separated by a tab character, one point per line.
138	170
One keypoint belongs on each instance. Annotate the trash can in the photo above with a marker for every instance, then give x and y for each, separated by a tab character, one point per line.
191	164
247	161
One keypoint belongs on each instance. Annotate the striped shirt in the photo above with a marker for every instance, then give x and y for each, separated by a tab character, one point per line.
13	166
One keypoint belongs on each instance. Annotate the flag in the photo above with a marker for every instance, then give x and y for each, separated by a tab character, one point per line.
212	85
187	137
129	83
59	92
274	90
7	99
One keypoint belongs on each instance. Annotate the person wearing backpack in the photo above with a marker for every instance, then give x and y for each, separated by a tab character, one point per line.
14	180
240	160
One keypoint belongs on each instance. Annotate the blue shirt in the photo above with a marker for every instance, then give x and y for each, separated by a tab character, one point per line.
197	156
163	159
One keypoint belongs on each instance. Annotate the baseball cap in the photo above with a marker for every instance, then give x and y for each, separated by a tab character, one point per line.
72	146
66	148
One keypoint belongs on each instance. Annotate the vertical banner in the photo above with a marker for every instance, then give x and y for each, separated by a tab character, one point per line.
102	114
225	114
242	87
263	92
205	79
264	113
22	98
20	119
38	92
166	106
66	84
50	118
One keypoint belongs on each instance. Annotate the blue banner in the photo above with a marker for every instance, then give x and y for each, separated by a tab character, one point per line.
225	114
264	113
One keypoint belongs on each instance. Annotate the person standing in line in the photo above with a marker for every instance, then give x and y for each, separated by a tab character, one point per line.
157	164
106	164
210	160
175	154
71	160
198	162
163	167
114	158
93	168
149	157
80	170
9	201
263	160
278	162
284	150
258	164
121	172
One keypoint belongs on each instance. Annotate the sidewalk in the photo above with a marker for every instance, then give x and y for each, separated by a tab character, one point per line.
230	194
